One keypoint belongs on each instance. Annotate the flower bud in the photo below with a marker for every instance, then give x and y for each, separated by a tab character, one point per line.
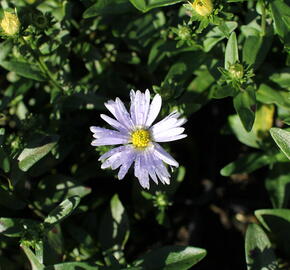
203	7
10	24
184	33
236	71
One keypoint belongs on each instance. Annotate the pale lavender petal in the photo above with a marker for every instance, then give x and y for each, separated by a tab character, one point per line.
150	165
127	162
153	110
103	132
108	162
139	108
113	151
167	133
140	171
161	170
117	108
108	141
114	123
132	106
123	114
164	124
117	157
173	138
166	157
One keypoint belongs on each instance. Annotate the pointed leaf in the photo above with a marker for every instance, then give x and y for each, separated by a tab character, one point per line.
231	54
282	139
114	227
73	266
171	257
259	252
62	211
15	227
245	106
146	5
35	264
107	7
35	151
277	185
277	221
246	164
24	69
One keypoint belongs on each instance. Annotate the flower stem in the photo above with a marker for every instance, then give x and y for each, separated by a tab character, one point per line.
42	65
263	20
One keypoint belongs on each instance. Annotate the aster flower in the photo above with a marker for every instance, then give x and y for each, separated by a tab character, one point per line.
139	138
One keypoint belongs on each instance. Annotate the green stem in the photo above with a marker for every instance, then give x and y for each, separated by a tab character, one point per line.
263	22
42	65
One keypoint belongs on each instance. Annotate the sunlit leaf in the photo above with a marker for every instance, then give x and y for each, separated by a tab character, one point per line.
282	139
259	251
35	151
63	210
171	257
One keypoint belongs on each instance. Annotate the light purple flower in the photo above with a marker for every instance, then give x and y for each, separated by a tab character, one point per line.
139	138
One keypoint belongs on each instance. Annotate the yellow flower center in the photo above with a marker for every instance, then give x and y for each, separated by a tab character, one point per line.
140	138
203	7
10	24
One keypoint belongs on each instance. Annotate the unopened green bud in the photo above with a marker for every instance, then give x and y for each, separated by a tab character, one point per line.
203	7
10	24
161	200
39	20
184	33
236	71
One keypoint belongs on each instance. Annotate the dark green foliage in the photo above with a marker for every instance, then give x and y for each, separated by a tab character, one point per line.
224	65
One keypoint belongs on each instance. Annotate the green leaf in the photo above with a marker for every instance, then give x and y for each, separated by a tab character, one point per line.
278	184
248	138
219	92
256	46
62	211
24	69
73	266
35	151
258	248
282	78
282	139
146	5
5	48
245	105
108	7
268	95
217	34
35	264
231	53
114	228
15	227
171	257
280	13
4	160
54	188
247	164
277	221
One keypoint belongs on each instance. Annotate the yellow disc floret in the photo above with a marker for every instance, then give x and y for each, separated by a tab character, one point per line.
140	138
10	24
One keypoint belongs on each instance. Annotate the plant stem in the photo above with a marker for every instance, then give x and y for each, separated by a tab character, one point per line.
42	65
263	22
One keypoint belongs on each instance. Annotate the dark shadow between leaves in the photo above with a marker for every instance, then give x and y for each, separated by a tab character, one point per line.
262	259
280	231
